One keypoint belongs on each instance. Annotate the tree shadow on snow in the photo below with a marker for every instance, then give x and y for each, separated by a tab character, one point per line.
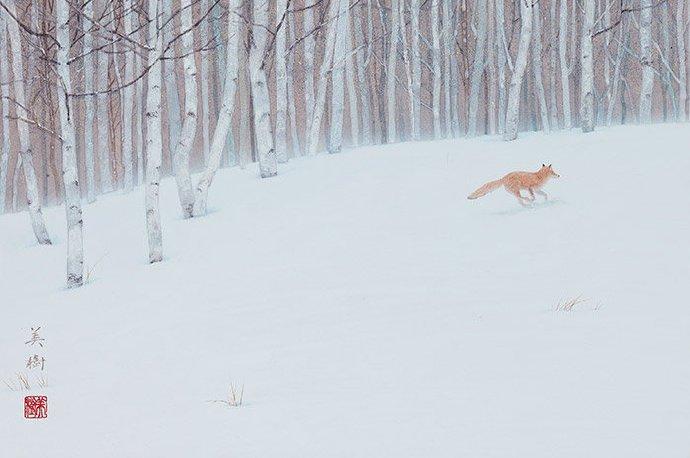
534	207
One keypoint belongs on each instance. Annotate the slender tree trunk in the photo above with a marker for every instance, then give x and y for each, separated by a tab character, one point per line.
225	115
281	83
291	94
416	71
647	85
5	113
406	57
205	81
260	101
128	95
154	135
553	66
492	83
565	71
75	246
363	56
436	56
477	67
101	121
337	81
537	68
669	97
606	100
620	56
90	108
391	71
350	78
32	196
681	29
513	110
309	48
587	68
314	132
189	123
449	46
502	60
140	109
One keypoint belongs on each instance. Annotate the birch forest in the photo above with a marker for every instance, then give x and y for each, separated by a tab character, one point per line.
103	96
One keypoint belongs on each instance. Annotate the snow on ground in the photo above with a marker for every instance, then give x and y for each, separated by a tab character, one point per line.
370	310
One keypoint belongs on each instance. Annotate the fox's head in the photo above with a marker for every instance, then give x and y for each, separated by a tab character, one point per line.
549	171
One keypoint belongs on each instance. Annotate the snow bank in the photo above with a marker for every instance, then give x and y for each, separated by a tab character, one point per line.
369	309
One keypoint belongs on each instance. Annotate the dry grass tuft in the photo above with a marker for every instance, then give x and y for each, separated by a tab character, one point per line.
91	269
235	397
42	380
18	383
568	304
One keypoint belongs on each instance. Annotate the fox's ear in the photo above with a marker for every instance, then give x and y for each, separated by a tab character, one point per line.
550	165
543	165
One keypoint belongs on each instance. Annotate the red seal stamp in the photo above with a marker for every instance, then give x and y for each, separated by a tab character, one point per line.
36	407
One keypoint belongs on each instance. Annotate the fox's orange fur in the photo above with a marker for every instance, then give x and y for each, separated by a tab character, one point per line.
514	182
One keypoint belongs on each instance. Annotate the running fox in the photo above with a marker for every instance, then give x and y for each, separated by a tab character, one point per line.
516	181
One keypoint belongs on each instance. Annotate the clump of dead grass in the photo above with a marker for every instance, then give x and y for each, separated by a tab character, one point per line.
20	382
568	305
234	398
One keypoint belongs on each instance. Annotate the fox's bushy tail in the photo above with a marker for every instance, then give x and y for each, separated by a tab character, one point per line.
487	188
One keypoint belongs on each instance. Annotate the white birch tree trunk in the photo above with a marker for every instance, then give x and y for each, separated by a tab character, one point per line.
406	52
260	99
553	65
128	95
281	83
314	132
448	46
102	119
363	55
492	82
681	29
623	40
5	88
154	134
477	68
24	140
513	110
436	56
335	137
669	94
565	71
502	60
606	19
90	107
350	66
186	138
338	79
309	48
537	68
391	71
75	246
587	68
225	114
139	114
416	71
647	85
291	94
205	80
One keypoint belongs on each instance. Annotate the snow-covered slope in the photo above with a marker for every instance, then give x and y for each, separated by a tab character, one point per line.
370	310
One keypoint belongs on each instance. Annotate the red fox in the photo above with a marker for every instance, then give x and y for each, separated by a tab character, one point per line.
516	181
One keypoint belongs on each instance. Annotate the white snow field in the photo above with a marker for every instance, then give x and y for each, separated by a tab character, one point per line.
371	310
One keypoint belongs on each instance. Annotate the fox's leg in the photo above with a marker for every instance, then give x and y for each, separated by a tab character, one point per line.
543	194
516	193
531	193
